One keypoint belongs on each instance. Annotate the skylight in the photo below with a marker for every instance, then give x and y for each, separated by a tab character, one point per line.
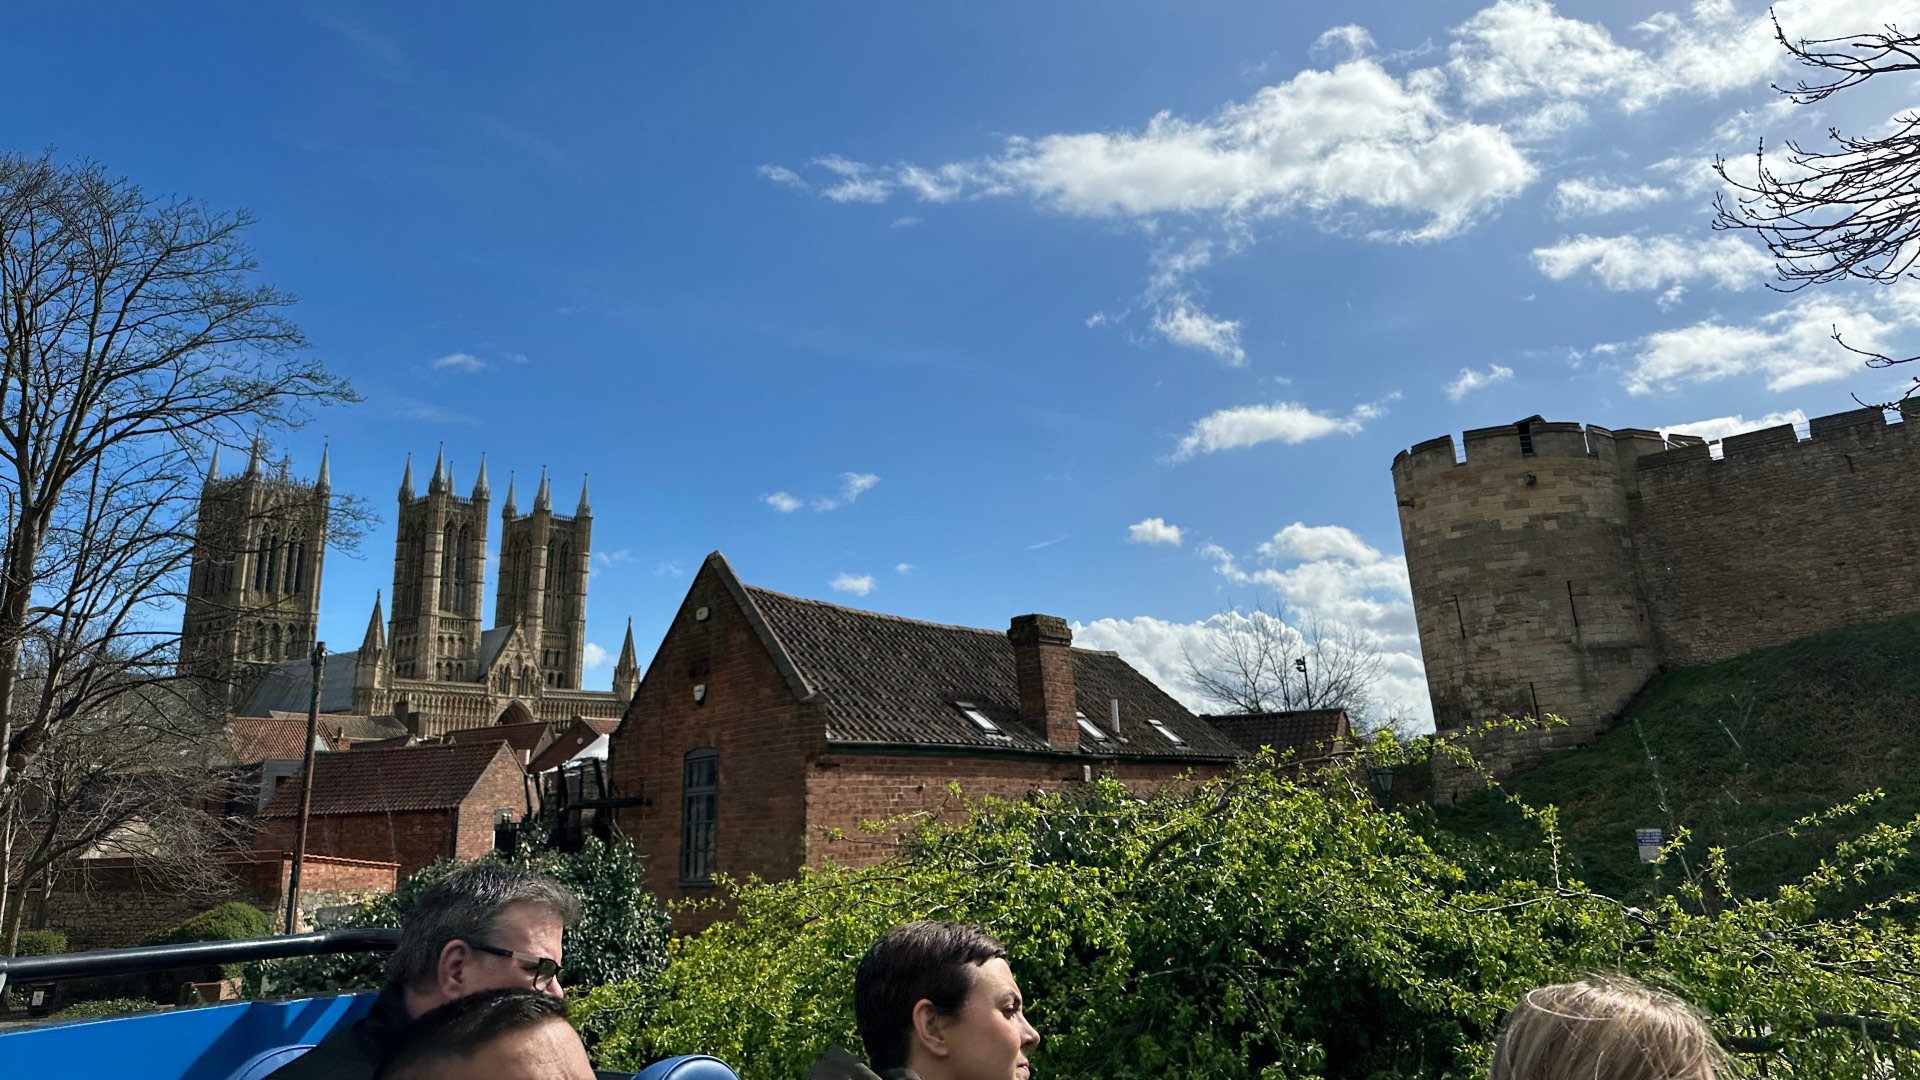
1167	732
973	713
1089	727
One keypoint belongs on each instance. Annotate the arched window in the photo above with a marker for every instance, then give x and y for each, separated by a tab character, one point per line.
272	545
446	555
699	802
289	572
260	565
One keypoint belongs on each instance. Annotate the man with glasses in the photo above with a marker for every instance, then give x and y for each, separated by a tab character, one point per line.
486	926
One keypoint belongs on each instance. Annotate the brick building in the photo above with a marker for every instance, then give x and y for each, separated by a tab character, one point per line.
1556	568
407	806
767	721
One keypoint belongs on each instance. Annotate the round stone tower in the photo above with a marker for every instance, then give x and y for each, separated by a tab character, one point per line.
1524	584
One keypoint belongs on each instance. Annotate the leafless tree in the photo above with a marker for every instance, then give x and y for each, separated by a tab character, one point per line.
133	336
1851	210
1254	661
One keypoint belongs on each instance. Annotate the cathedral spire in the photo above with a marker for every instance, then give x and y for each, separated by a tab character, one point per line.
439	482
213	467
324	483
626	672
406	480
449	482
376	638
253	461
584	510
480	490
543	498
507	509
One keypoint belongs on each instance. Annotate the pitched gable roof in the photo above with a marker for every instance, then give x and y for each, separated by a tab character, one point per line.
254	739
881	679
527	737
288	686
378	781
349	727
1306	732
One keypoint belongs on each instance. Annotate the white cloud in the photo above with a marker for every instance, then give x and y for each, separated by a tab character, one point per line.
1302	541
1583	196
783	502
906	222
669	568
465	363
852	486
593	656
1046	543
857	182
1154	531
1183	323
857	584
1790	347
518	358
1352	37
785	177
1470	380
1523	50
903	568
1720	427
1251	425
1624	263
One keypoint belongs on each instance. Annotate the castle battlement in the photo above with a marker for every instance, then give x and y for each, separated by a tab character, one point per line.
1530	439
1751	447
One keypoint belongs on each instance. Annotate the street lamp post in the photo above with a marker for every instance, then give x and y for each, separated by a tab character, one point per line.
306	788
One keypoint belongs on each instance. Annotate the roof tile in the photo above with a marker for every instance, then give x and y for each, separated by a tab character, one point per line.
377	781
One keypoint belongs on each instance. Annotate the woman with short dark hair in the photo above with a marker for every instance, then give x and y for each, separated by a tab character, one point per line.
936	1001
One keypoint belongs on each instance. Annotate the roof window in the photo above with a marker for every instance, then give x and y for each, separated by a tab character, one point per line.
1093	731
973	713
1166	732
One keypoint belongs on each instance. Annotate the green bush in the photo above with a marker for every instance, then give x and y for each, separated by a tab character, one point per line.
41	943
622	933
104	1007
1268	925
231	921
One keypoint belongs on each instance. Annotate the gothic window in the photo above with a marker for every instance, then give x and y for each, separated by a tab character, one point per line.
699	801
260	565
259	642
300	573
272	545
446	555
291	580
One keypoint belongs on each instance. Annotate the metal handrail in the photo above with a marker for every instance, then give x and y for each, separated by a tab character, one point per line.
143	958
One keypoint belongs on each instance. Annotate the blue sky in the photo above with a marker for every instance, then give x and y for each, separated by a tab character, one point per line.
1117	311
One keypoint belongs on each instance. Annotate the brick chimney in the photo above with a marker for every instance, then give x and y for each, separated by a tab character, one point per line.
1043	667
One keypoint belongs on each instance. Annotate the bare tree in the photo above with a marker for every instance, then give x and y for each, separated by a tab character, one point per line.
1254	661
132	336
1851	210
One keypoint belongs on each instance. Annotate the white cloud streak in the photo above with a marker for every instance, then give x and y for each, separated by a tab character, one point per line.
1588	196
1789	348
783	502
1282	421
1628	263
1719	427
857	584
465	363
1470	380
1154	531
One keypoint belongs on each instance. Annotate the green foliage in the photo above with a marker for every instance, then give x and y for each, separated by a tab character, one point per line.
231	921
1746	755
102	1008
1269	925
41	943
622	933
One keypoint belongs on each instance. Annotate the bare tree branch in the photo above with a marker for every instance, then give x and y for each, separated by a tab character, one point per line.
1254	661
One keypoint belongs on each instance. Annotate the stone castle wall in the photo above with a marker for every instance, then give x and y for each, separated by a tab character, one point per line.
1558	567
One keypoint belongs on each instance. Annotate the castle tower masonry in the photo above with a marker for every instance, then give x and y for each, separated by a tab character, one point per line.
439	579
543	582
1557	567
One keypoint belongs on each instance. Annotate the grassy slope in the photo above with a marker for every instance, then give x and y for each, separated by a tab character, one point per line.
1743	748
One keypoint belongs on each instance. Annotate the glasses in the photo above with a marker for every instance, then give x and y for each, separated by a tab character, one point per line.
543	969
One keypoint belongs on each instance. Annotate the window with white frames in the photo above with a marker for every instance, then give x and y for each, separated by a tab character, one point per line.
1166	732
1093	730
973	713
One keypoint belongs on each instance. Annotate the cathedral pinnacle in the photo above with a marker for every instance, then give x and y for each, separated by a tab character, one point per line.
439	481
507	509
213	467
324	483
584	510
376	638
253	461
543	497
480	490
406	480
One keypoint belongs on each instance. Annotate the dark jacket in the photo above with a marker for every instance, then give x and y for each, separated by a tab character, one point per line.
353	1052
837	1064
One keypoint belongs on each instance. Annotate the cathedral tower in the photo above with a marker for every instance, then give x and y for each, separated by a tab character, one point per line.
439	577
543	581
253	587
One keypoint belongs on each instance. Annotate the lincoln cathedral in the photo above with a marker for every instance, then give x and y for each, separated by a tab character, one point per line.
253	604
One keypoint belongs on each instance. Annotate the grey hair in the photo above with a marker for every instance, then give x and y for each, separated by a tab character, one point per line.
465	906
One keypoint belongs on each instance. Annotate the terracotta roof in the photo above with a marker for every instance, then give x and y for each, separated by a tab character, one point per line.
377	781
881	679
600	726
350	727
1306	732
525	738
255	739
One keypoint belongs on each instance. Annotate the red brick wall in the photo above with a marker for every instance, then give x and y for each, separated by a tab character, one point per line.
103	903
764	740
412	838
1043	669
502	787
844	790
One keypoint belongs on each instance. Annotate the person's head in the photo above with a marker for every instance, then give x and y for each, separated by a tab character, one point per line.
491	1035
939	998
1605	1029
485	926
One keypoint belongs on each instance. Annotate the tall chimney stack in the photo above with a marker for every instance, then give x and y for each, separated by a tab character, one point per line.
1043	667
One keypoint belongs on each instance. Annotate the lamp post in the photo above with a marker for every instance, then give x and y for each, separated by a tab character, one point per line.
306	788
1382	776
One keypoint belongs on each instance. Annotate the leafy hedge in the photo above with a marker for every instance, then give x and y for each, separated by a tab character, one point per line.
41	943
622	934
1269	925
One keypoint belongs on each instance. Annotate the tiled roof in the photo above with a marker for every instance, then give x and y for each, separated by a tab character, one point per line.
377	781
525	738
255	739
289	685
577	737
351	727
1306	732
887	680
491	642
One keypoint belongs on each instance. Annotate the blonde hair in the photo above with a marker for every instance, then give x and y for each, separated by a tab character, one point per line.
1605	1029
